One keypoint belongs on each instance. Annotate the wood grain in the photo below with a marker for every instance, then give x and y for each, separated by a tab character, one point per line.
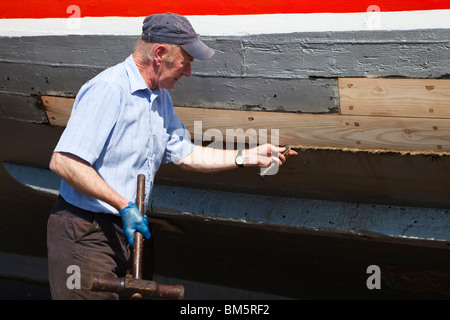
329	131
58	109
427	98
321	131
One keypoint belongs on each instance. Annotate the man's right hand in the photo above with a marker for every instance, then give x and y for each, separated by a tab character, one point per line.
133	221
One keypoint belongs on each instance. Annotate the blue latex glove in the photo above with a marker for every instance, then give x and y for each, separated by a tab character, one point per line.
133	221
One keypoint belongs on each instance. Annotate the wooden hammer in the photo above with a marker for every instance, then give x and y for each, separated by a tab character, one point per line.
134	287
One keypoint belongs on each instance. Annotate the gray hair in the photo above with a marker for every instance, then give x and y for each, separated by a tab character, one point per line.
145	50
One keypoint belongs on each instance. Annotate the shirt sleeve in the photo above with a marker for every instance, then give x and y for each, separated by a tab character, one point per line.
179	144
94	114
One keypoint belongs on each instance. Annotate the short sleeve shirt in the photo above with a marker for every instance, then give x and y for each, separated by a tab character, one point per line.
122	129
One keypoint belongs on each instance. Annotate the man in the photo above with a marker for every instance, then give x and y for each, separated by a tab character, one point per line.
123	124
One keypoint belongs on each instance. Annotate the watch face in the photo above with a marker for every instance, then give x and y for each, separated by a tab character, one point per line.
239	160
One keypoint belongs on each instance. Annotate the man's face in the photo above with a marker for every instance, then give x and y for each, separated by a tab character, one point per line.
171	72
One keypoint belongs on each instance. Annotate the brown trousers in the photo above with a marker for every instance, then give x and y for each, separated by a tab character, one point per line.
82	244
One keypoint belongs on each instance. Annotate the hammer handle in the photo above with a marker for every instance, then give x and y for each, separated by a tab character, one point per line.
137	288
139	238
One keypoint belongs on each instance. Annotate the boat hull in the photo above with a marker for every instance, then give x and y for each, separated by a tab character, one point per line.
311	230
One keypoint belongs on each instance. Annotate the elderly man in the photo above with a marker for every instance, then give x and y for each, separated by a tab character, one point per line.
123	124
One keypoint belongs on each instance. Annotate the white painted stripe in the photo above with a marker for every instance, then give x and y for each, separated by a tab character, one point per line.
235	24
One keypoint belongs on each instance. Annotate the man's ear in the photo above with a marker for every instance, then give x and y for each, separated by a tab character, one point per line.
158	54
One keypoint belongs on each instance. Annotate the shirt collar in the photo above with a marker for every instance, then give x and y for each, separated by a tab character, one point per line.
136	81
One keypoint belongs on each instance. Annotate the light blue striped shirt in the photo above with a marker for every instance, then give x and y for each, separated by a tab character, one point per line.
122	128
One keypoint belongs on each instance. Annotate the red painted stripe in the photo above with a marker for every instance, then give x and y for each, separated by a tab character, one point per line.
136	8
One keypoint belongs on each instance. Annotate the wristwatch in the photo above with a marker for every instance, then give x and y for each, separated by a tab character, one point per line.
239	159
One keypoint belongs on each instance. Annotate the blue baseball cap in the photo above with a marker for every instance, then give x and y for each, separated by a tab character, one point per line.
173	28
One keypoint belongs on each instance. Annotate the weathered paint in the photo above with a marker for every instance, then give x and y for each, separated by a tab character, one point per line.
396	224
287	73
299	265
262	243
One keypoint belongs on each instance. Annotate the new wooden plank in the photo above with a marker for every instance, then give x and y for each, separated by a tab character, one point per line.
58	109
428	98
328	131
323	131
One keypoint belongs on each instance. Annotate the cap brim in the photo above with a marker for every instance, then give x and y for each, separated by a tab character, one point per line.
198	50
